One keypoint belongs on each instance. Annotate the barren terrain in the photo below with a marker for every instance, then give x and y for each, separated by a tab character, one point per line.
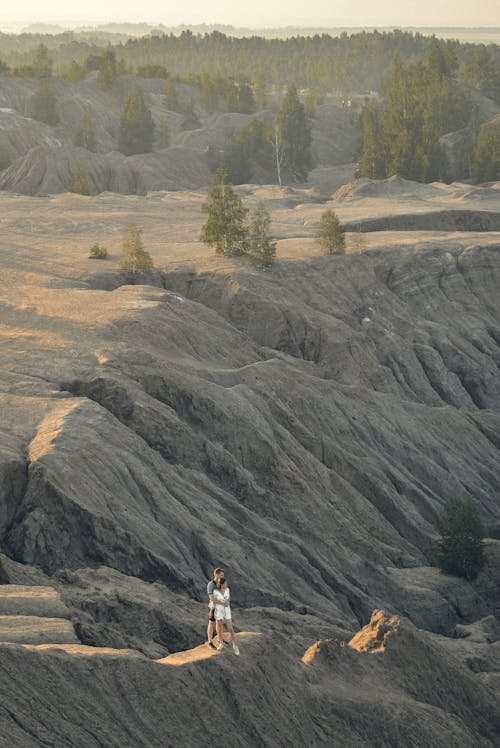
301	426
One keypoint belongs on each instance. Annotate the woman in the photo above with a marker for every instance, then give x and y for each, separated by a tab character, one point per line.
222	599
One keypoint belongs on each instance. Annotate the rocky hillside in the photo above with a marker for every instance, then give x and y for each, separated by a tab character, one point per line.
42	159
336	415
337	693
301	426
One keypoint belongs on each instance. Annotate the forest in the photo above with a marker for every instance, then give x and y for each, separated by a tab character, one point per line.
415	88
350	62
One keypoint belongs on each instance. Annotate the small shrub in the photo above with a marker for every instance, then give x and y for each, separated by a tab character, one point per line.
97	252
460	548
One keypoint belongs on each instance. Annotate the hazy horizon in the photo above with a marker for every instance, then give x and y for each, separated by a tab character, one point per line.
259	14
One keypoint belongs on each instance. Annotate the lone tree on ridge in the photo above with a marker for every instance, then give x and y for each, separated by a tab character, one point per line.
135	259
331	235
225	227
261	247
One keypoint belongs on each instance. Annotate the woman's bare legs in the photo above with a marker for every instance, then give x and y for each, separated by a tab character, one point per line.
229	626
218	628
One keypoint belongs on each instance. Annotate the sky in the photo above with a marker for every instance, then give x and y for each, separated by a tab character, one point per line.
260	13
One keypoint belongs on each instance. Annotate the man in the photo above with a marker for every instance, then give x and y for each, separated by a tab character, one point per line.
211	606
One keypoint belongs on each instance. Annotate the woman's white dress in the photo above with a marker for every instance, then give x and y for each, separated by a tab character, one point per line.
222	613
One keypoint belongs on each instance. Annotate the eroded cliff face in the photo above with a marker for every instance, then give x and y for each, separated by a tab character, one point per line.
302	426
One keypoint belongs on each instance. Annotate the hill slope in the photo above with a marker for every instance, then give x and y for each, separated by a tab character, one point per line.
301	426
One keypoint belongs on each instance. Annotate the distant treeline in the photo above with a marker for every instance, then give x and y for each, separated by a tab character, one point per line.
423	101
355	62
420	81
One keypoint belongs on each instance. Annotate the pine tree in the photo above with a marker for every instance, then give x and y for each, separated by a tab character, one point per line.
483	73
469	149
231	95
402	122
260	92
209	98
80	183
44	105
136	125
42	64
248	148
135	258
225	227
108	71
372	162
422	103
313	100
84	135
171	96
74	72
190	120
331	235
295	136
261	247
246	99
486	167
460	548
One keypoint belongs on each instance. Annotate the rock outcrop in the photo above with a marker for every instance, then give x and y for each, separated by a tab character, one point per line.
391	668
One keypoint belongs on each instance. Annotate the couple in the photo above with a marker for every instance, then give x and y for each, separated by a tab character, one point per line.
219	611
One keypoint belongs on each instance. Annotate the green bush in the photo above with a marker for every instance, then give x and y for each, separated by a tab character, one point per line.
261	247
331	235
97	252
225	227
460	547
135	258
